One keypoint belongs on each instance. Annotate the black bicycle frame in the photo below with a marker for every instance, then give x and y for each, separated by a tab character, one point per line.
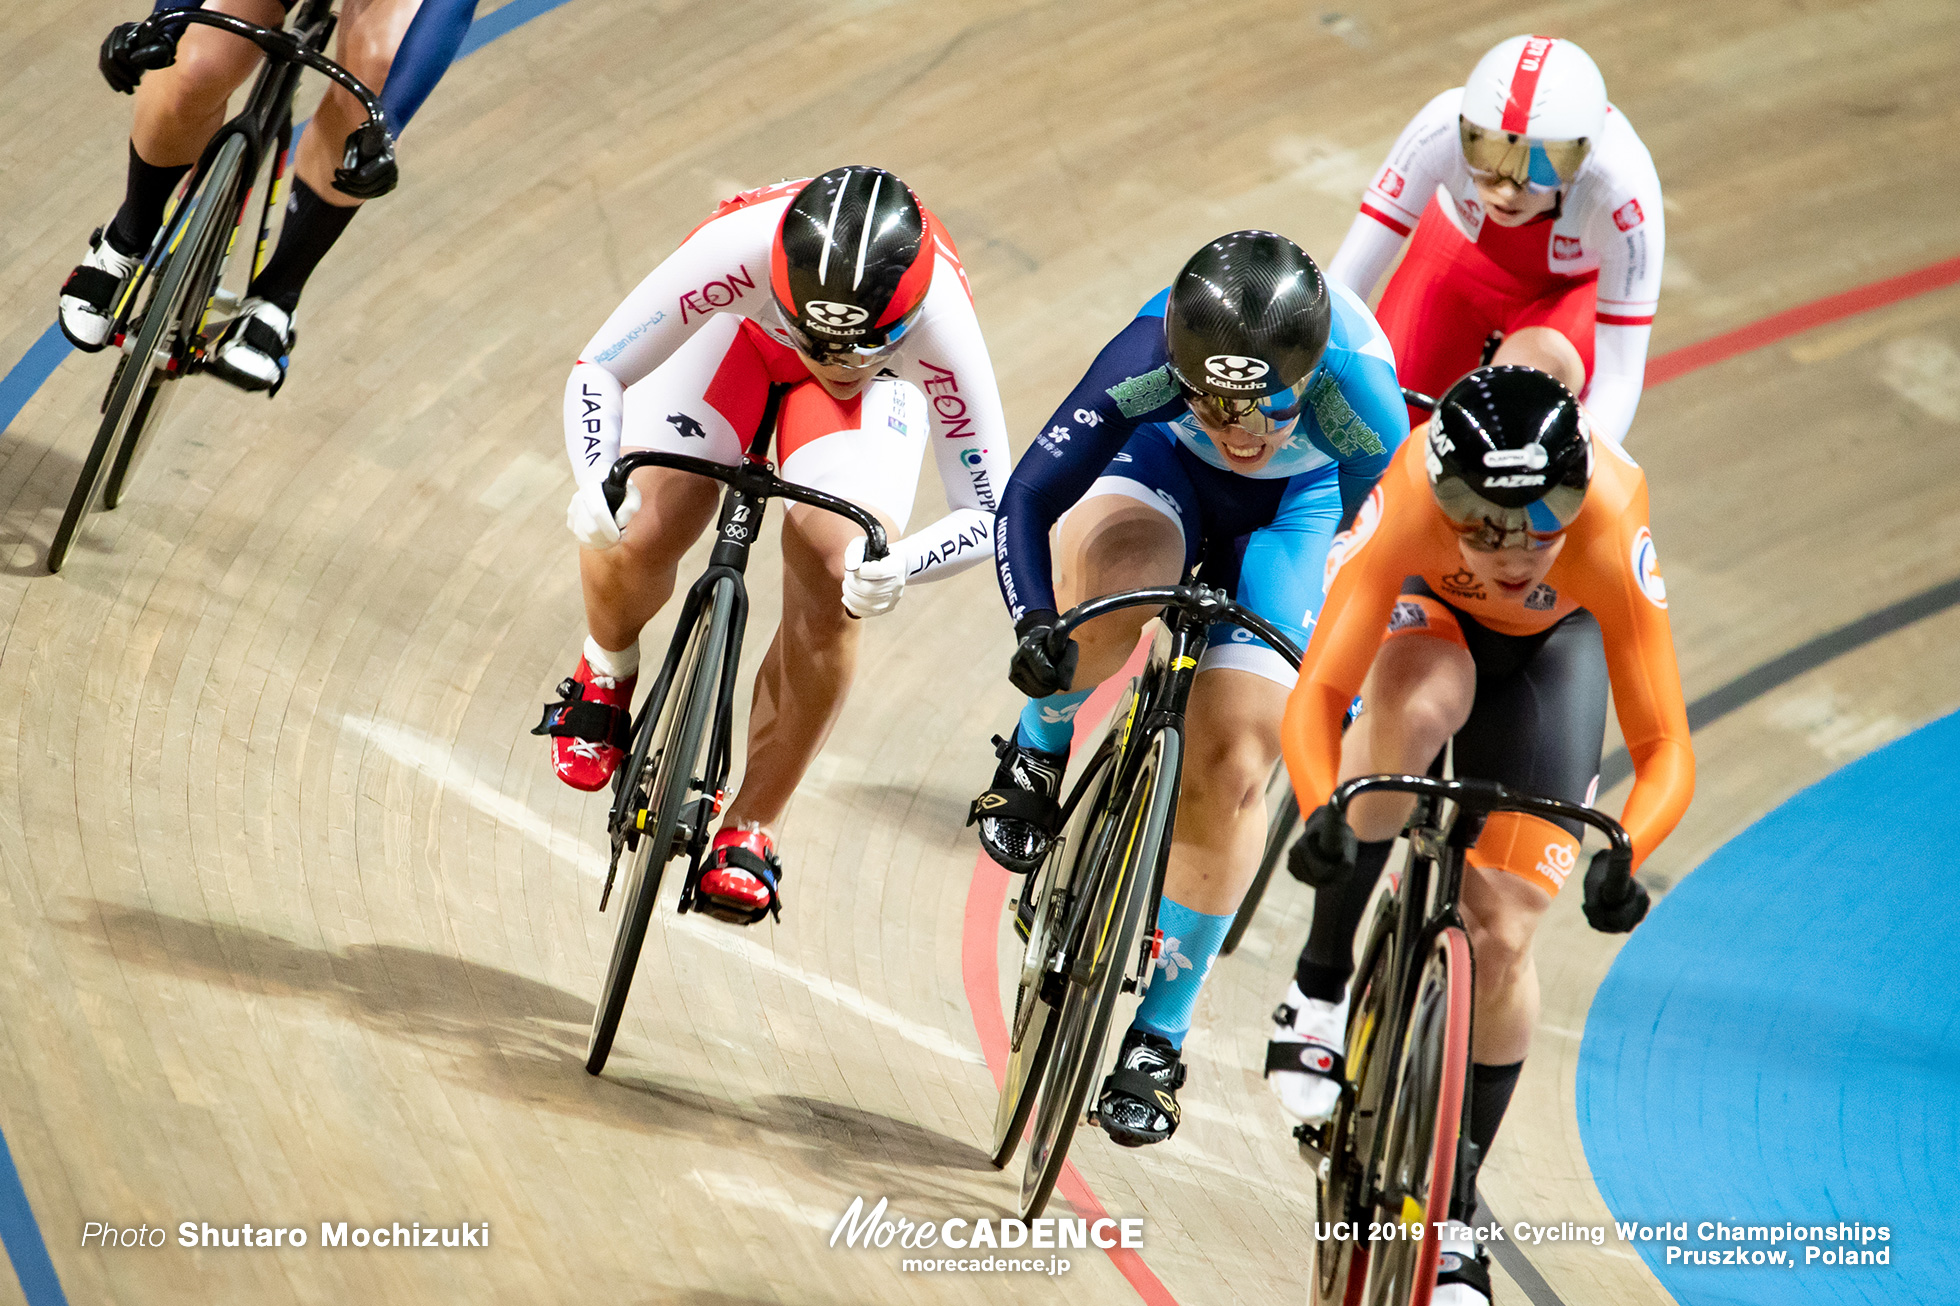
1188	613
1424	909
266	109
751	484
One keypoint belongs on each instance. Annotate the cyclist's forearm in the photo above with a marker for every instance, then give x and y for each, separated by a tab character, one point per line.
1664	782
594	402
955	542
1310	740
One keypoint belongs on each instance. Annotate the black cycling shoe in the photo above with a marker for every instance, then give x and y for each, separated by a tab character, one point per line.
1138	1103
1019	815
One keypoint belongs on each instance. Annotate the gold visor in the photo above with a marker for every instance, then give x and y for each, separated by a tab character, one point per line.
1528	164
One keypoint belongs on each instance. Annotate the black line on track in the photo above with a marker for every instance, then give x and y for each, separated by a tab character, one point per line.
1535	1288
1777	672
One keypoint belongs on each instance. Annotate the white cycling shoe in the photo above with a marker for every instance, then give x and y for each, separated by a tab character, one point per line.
1463	1275
88	297
1304	1060
252	353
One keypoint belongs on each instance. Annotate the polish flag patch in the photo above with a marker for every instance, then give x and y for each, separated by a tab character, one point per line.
1391	183
1566	247
1628	216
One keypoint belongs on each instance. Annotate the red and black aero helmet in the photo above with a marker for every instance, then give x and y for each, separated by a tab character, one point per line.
851	264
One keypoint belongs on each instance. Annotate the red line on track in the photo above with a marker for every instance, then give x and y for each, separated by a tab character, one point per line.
980	970
1793	321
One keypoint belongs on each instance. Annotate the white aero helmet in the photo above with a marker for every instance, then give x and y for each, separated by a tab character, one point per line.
1531	111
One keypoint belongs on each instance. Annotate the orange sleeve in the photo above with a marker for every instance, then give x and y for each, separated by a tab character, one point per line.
1365	566
1624	592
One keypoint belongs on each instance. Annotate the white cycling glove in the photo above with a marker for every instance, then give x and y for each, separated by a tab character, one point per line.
871	588
591	522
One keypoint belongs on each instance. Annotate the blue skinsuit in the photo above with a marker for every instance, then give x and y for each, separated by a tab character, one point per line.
1262	536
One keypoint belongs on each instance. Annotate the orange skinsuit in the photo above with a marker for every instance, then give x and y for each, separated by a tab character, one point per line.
1607	567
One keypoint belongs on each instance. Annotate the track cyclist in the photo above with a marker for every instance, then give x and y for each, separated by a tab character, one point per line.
849	289
1537	216
1507	556
1233	422
399	48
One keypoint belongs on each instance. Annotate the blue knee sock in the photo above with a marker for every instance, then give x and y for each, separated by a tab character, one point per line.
1048	723
1191	941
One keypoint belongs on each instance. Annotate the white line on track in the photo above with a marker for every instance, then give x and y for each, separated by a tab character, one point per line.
434	759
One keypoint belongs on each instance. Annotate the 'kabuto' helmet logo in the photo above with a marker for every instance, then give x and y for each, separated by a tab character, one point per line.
1236	371
830	313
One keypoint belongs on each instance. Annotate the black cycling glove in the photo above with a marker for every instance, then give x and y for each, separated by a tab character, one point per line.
368	169
1042	665
132	49
1613	905
1327	851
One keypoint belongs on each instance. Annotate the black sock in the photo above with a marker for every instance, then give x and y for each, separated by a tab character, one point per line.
1328	959
312	226
1490	1094
149	189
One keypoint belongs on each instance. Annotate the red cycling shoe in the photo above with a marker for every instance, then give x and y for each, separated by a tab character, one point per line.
591	727
741	882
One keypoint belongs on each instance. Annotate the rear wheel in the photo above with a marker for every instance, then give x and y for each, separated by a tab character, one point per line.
658	794
167	323
1340	1263
1118	884
1418	1142
1045	900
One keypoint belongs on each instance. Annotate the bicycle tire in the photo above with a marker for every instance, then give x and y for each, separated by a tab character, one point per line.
1418	1140
1285	814
156	400
1031	1025
215	200
1120	887
204	286
680	723
1340	1264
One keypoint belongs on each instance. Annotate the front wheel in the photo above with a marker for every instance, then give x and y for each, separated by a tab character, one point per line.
1049	890
168	320
657	794
1125	855
1418	1142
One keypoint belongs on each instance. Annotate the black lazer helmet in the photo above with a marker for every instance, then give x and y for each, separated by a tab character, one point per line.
1247	323
1510	456
851	264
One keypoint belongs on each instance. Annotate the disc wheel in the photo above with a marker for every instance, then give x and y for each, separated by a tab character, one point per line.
1031	1026
1117	885
168	321
1419	1135
671	767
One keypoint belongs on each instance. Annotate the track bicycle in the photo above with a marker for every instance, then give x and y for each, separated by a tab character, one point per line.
1391	1157
1281	803
1088	913
672	783
175	307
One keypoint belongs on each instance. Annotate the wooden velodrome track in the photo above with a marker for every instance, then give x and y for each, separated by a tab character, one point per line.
297	924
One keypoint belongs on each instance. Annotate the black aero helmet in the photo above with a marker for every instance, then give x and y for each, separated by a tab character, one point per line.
1510	456
851	264
1247	323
